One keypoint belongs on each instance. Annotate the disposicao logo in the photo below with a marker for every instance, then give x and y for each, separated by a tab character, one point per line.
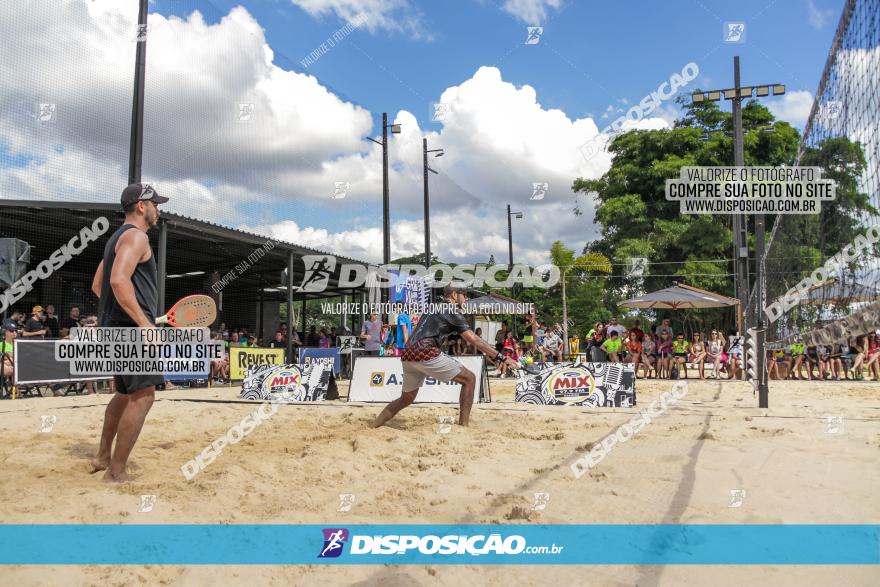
571	386
377	378
334	540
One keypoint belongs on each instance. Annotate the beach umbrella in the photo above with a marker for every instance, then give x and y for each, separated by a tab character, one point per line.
680	296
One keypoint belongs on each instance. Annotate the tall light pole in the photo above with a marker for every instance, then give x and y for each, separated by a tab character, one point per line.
439	153
753	316
386	212
136	145
510	250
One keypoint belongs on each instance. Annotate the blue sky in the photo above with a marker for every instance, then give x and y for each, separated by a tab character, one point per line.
591	54
519	113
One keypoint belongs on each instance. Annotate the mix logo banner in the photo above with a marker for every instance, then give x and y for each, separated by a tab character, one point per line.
240	358
580	384
330	356
286	383
380	379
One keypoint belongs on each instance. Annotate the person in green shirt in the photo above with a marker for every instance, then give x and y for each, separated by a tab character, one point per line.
680	351
10	331
612	346
798	355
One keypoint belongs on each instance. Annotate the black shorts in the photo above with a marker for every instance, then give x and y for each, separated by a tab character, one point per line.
499	346
128	384
680	355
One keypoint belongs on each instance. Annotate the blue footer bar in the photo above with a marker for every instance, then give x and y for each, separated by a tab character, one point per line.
475	544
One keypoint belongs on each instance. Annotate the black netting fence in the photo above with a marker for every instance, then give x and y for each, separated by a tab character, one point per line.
824	267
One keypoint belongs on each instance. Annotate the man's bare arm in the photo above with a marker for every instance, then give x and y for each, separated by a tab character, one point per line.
133	247
98	280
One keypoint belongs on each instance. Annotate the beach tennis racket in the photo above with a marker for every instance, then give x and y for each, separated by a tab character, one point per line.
190	312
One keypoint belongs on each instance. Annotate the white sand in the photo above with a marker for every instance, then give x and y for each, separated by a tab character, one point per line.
679	469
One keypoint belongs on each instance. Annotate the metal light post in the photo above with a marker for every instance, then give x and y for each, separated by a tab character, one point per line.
439	153
386	212
753	316
510	251
136	145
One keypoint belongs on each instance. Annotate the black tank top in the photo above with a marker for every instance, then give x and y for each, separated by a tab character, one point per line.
110	313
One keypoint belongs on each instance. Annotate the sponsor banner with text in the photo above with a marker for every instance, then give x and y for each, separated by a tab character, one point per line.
380	379
240	358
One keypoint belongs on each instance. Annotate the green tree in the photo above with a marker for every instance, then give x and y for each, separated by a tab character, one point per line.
637	221
569	265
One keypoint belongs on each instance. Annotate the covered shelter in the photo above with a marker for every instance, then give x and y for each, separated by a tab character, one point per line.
681	296
241	270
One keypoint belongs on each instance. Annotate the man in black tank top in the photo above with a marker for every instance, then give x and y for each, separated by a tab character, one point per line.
125	282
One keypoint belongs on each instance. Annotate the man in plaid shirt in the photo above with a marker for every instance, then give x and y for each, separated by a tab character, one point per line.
422	357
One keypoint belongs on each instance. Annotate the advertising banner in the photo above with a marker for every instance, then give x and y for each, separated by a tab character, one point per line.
329	356
380	379
240	358
580	384
291	383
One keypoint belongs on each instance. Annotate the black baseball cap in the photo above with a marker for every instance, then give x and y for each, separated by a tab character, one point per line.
140	192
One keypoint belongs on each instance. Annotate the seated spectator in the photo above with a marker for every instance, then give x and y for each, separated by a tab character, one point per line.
51	322
72	321
312	336
633	342
278	342
734	356
872	360
681	348
597	337
551	348
797	351
612	347
7	349
509	350
715	353
323	339
664	348
34	327
649	356
698	353
814	360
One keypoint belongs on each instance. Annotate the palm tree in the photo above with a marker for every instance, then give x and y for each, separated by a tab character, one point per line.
567	263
